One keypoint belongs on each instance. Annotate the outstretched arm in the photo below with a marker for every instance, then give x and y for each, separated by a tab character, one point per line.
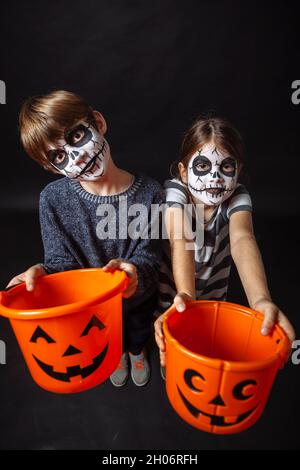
183	266
182	256
248	260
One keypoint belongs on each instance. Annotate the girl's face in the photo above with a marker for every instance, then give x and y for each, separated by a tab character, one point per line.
211	175
83	153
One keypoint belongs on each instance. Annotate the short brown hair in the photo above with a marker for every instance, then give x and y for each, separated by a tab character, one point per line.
205	129
43	119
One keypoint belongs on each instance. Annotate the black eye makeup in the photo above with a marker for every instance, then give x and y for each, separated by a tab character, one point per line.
228	166
58	158
78	136
201	165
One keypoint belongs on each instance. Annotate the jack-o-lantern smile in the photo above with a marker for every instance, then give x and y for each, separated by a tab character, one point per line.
74	370
238	393
214	419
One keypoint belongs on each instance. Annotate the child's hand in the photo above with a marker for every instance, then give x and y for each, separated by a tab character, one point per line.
273	315
160	339
180	301
29	277
129	269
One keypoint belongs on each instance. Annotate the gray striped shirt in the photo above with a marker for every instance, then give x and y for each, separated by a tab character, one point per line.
213	258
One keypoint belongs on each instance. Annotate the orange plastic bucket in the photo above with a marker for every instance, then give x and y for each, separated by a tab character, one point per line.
219	367
69	328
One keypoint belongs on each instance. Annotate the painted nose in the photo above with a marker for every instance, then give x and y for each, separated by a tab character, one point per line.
74	154
71	351
216	174
217	401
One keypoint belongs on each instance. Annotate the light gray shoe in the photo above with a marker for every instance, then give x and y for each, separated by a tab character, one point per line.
119	377
140	369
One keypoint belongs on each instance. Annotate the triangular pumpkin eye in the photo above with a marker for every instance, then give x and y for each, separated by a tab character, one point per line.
94	321
40	333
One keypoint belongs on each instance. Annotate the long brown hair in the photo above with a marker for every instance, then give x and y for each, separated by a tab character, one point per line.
207	129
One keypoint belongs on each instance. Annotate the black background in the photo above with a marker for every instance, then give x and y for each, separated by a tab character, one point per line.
151	68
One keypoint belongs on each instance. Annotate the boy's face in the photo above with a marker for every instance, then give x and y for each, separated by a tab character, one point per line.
212	176
82	154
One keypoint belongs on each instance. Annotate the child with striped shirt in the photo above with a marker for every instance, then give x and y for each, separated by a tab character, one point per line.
206	176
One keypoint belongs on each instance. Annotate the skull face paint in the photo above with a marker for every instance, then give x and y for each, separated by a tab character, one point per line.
83	154
212	176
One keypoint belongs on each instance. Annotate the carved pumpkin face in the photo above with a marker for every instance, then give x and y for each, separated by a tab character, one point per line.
220	369
69	328
73	352
211	408
216	400
70	370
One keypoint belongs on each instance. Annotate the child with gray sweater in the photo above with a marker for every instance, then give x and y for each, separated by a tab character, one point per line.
86	215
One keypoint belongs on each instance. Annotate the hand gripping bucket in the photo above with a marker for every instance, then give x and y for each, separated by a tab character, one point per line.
219	367
69	328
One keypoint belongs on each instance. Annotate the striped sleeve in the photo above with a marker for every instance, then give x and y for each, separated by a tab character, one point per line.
239	201
176	193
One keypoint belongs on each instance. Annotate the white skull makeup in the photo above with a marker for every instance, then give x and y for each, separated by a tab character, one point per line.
83	154
212	177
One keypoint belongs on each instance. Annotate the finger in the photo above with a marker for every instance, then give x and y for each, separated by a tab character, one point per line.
131	289
16	280
129	269
12	282
160	343
30	278
158	327
112	265
128	294
161	339
179	303
286	326
162	356
269	320
132	284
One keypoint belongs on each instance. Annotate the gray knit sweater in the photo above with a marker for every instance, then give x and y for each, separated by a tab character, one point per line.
71	220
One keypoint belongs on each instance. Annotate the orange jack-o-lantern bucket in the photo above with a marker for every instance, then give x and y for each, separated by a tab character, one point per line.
69	327
219	367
